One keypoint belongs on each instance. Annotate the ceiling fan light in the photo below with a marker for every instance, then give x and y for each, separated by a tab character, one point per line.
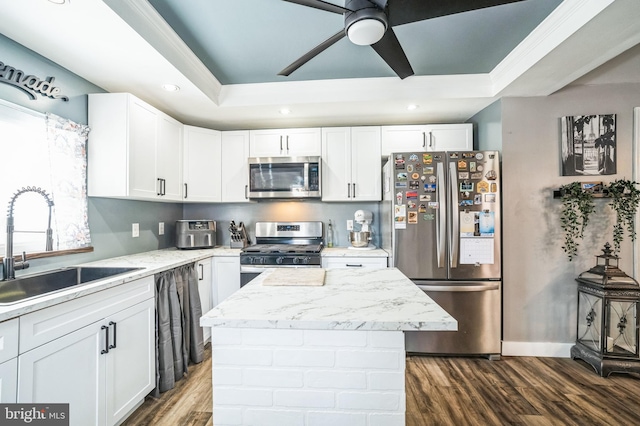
366	32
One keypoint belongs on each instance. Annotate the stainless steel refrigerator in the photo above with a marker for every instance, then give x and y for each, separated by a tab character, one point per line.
441	227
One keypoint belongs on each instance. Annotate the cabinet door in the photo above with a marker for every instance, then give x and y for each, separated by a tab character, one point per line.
205	287
336	164
235	167
67	370
366	168
285	142
9	381
450	137
303	142
267	143
403	139
130	363
226	279
202	164
143	129
169	158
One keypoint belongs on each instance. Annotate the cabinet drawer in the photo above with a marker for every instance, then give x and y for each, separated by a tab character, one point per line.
8	339
354	262
51	323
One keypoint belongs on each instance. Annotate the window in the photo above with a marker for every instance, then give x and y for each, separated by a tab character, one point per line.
43	157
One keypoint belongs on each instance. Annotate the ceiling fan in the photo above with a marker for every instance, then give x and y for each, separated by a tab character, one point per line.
371	22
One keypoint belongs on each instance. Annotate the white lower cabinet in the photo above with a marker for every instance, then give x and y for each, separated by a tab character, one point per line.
205	289
8	381
103	368
354	262
226	277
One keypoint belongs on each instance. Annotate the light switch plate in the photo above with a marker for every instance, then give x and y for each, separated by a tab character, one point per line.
161	228
349	225
135	230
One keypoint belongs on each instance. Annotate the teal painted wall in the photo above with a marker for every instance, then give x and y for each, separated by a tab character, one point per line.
488	127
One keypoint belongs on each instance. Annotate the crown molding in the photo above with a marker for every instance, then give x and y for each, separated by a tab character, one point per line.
560	25
146	21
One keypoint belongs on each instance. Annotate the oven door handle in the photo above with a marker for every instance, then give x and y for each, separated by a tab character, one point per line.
252	269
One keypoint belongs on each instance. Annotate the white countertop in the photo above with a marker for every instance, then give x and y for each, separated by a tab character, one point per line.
352	252
362	299
152	262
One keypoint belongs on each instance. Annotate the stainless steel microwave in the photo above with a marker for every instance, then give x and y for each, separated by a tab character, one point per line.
285	177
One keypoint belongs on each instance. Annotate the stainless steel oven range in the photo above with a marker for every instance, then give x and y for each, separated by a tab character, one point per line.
282	245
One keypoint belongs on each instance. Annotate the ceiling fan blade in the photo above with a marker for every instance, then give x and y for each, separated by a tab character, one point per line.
322	5
312	53
382	4
390	50
407	11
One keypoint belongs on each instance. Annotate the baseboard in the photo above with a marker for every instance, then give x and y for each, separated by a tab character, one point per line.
543	349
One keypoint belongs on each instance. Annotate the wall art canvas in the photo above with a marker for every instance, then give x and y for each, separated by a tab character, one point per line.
588	145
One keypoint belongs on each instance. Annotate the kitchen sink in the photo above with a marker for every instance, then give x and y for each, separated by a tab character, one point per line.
30	286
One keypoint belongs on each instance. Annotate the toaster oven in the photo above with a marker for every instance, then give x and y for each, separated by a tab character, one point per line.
195	234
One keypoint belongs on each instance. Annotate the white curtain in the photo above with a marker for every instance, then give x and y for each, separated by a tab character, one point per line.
67	143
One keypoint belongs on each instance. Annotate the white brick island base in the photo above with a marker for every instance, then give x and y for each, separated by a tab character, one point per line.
330	355
278	377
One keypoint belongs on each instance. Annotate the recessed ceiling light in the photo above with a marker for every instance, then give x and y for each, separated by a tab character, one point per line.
170	87
59	1
411	107
285	111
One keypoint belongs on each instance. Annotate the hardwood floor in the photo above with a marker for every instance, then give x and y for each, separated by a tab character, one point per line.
188	404
456	391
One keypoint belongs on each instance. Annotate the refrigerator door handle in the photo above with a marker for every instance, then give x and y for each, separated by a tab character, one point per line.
468	287
441	220
454	237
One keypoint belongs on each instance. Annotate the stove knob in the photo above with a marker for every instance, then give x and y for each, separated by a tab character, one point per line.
279	260
296	260
261	260
306	260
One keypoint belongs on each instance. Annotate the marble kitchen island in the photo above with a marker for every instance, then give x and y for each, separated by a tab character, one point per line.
317	355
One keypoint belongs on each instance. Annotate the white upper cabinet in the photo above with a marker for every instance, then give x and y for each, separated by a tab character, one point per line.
235	166
285	142
430	137
135	150
351	164
168	157
202	165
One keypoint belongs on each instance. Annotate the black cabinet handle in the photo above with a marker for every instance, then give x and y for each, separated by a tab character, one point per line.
354	190
111	323
186	190
159	187
354	265
106	340
348	190
164	187
246	195
201	272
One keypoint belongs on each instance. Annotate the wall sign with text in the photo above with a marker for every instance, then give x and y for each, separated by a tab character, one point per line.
30	84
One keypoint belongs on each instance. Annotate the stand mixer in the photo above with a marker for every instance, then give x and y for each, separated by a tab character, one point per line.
361	239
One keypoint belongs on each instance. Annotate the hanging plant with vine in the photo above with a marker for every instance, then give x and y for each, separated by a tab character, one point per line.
625	198
577	206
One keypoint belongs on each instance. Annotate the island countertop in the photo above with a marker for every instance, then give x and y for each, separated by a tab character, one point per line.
363	299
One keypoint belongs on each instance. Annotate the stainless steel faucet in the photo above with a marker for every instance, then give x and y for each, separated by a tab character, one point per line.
9	263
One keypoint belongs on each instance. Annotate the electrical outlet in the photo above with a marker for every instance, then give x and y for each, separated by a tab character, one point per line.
349	225
161	228
135	230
